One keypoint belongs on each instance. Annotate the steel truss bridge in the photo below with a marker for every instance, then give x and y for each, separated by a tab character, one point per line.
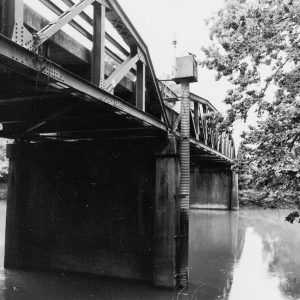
95	143
56	87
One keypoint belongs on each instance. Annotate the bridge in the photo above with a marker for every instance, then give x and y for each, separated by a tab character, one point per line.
95	171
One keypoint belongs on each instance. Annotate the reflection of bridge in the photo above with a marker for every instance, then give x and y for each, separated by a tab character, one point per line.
216	244
94	167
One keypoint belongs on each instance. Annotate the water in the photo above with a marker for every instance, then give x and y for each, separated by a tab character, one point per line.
251	255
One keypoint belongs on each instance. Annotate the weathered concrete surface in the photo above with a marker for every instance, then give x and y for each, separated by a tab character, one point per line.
81	207
166	215
210	188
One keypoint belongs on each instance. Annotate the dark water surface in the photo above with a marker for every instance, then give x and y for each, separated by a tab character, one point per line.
250	255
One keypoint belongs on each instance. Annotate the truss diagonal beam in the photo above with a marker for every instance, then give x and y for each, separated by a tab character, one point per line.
124	27
121	72
53	27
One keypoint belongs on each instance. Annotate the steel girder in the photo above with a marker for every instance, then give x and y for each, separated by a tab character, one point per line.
24	61
209	150
17	57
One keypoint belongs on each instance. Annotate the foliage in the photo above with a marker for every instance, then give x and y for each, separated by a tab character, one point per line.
256	46
3	160
271	153
293	216
217	122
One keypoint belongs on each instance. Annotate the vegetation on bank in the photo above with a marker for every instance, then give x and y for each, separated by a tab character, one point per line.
255	45
3	162
3	170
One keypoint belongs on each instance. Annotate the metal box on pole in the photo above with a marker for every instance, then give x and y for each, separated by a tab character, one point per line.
186	69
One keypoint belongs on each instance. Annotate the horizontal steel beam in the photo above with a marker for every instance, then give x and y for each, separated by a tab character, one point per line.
203	101
193	97
129	130
201	146
13	101
15	56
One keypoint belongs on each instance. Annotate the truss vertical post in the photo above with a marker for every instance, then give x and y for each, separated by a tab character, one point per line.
98	45
222	143
204	108
227	145
219	141
140	85
12	18
196	119
229	149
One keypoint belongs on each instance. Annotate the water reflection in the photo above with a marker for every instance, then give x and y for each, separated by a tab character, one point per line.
252	254
216	242
252	278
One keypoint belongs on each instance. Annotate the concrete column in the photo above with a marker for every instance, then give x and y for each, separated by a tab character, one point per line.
165	217
210	188
18	192
234	191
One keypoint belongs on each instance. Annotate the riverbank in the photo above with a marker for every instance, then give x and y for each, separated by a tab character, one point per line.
254	198
251	198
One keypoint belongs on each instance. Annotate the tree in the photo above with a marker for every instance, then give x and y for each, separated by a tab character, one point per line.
3	160
255	44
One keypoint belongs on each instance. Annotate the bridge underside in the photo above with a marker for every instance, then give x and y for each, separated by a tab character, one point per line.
36	108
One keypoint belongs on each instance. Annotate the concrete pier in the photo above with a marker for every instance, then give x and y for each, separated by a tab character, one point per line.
211	187
166	215
107	209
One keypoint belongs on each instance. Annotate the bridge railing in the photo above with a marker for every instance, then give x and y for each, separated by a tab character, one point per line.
202	128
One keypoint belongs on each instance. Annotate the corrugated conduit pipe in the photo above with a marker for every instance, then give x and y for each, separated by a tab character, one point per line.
184	185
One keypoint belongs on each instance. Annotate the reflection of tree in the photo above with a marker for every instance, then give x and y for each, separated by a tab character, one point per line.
280	247
226	290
